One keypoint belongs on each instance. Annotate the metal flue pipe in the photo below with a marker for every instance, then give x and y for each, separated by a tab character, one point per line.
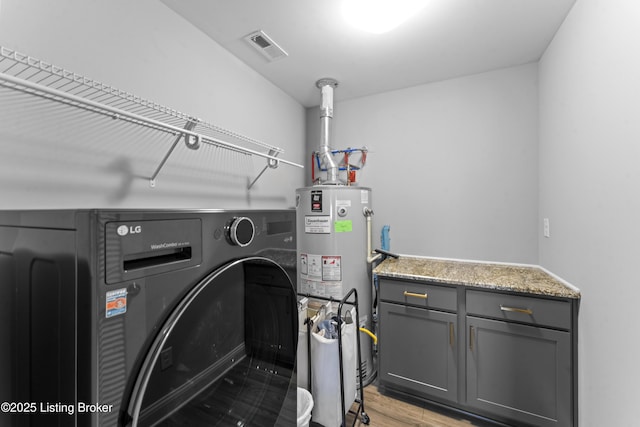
326	86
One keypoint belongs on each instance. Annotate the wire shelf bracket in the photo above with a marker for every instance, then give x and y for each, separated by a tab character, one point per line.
190	142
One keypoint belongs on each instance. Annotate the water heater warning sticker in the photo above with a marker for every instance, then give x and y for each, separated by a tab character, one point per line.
311	266
321	275
316	201
116	302
331	269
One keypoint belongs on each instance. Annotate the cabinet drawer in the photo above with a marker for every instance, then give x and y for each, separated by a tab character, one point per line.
537	311
419	294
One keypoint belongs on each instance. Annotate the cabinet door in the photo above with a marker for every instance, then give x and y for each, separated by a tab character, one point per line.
418	350
519	372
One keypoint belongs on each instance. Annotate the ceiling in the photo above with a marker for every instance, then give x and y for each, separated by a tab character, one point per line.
447	39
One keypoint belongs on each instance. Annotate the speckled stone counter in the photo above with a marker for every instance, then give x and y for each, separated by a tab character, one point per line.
527	279
285	257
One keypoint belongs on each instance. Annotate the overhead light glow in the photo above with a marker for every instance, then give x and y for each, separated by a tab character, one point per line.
380	16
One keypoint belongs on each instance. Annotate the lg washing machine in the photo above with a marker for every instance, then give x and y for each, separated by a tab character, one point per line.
147	318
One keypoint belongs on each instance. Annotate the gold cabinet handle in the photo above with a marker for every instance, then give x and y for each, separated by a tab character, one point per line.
451	334
412	294
516	309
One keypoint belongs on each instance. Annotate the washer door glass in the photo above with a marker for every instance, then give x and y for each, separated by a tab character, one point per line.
225	355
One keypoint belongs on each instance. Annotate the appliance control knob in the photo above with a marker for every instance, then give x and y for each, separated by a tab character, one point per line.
241	231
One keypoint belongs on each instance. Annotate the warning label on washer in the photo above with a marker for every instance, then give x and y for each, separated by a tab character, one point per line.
116	302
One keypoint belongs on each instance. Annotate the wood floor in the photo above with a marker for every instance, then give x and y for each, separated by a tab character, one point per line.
385	411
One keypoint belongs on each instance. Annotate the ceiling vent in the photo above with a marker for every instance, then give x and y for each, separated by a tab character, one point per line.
265	45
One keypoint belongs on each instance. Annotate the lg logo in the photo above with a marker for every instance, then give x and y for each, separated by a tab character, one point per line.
123	230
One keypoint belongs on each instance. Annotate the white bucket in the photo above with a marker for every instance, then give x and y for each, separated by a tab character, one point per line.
305	405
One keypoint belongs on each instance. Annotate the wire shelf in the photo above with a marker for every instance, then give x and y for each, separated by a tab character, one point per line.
34	77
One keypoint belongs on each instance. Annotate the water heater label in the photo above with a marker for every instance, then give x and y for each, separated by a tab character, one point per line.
322	289
317	224
316	201
343	226
311	266
331	269
321	275
326	268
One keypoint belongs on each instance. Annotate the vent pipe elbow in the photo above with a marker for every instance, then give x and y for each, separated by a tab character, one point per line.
326	87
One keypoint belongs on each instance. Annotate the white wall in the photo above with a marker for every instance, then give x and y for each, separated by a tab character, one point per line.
146	49
589	189
453	165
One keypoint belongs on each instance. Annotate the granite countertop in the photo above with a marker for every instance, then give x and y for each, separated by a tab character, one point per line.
508	277
285	257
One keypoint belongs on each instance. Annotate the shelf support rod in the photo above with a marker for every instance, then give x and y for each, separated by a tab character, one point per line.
190	125
271	163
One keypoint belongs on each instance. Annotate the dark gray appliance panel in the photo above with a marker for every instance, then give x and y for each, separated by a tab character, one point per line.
37	323
61	340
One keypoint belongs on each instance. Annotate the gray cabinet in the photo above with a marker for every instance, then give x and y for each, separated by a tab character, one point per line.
419	328
519	357
419	352
501	355
519	372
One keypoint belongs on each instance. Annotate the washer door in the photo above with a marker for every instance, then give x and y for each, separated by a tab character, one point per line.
226	354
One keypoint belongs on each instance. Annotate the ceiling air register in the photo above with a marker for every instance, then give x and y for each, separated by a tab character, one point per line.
261	42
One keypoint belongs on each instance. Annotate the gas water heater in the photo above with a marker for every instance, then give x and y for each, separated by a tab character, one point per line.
333	235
